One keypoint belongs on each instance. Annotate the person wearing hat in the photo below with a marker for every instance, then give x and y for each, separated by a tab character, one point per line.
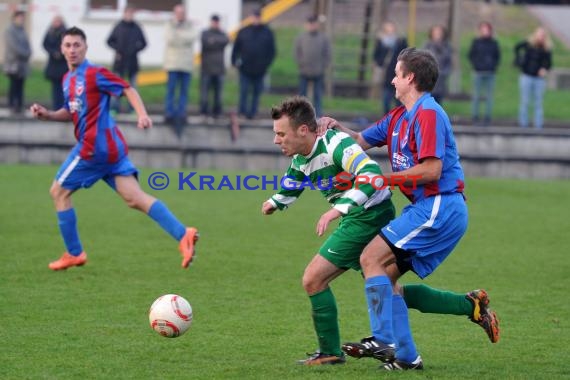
214	41
313	56
253	52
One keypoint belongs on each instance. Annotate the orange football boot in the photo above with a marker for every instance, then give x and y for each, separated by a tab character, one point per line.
187	246
67	261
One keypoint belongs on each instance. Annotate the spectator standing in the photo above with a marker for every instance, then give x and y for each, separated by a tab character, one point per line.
178	62
252	54
16	60
440	47
313	56
127	40
56	66
534	59
213	68
388	46
484	56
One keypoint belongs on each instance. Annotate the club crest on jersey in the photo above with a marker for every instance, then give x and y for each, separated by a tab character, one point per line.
79	88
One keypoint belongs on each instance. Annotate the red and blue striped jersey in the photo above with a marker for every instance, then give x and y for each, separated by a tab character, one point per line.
87	91
412	136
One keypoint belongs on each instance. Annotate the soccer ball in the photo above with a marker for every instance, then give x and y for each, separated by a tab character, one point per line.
170	315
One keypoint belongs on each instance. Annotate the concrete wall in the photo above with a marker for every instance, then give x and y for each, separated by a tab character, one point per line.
98	25
485	152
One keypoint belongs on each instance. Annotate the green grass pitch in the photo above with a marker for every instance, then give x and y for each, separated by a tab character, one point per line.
251	316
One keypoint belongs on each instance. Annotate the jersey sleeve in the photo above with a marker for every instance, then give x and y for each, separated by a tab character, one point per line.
430	134
356	163
290	189
377	133
110	83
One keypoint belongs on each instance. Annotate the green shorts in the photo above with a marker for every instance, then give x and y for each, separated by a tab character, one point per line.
356	229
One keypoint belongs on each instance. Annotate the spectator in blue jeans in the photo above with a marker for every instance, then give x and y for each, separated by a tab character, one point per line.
534	59
212	70
178	62
313	56
484	56
253	53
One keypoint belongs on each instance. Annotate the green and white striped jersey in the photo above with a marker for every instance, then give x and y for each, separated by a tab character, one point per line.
338	167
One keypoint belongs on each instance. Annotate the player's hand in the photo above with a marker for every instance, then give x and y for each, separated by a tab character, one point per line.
267	208
325	219
325	123
39	112
144	122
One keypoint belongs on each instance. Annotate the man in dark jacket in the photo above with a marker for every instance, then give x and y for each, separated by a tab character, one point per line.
484	56
388	46
127	40
56	66
253	53
212	70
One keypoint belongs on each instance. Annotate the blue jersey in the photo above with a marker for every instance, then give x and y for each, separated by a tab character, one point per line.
87	91
412	136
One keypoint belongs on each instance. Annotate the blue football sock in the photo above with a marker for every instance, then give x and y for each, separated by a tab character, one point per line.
162	215
379	298
405	347
68	227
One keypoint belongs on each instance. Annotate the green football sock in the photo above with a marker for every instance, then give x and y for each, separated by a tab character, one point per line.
429	300
325	319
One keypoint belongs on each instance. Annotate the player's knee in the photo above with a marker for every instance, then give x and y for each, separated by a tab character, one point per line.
132	202
367	258
56	192
312	285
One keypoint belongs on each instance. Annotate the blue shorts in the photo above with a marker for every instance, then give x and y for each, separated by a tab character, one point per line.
427	231
76	173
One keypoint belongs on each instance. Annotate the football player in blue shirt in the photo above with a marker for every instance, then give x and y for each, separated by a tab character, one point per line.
101	151
425	162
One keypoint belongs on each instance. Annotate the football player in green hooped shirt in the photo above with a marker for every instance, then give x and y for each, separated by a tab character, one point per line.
353	184
317	161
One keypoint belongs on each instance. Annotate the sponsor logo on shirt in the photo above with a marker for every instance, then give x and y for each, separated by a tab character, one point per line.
400	161
76	105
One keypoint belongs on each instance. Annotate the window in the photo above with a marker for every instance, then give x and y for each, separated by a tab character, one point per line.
103	5
153	5
146	9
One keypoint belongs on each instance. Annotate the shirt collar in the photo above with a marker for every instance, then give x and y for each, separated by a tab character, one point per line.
412	112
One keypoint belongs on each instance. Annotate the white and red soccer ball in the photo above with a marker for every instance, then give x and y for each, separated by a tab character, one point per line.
170	315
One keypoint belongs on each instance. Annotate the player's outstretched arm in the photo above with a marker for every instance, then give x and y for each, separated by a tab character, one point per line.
138	105
41	113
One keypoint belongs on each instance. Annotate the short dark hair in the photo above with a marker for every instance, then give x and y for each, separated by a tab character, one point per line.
215	17
299	110
74	31
423	64
17	14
